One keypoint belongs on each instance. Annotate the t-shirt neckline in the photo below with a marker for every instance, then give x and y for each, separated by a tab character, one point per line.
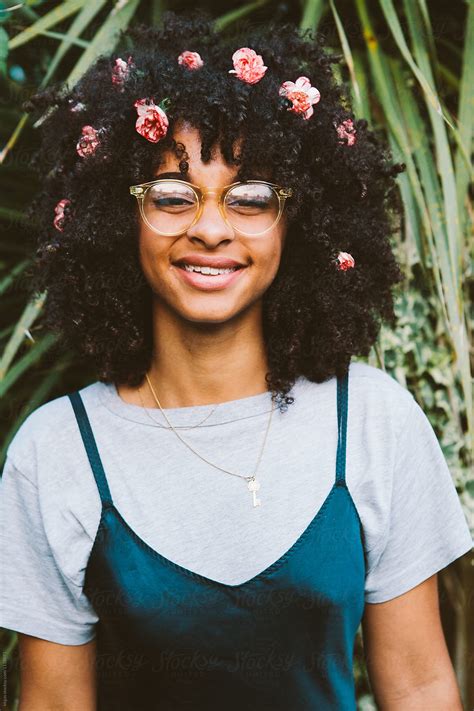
241	408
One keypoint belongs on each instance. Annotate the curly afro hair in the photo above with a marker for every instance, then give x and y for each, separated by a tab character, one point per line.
315	316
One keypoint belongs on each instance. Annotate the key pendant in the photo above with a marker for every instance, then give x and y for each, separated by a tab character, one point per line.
254	486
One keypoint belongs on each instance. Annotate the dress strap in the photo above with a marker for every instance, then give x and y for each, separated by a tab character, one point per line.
91	448
342	403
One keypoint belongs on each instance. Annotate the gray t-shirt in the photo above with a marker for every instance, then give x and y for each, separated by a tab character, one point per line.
202	518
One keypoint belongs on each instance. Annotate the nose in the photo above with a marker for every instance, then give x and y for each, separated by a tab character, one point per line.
211	227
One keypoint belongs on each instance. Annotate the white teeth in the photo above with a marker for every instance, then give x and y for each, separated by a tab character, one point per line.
208	270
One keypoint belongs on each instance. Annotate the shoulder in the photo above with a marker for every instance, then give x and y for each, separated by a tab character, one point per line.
372	393
369	378
373	389
378	405
47	429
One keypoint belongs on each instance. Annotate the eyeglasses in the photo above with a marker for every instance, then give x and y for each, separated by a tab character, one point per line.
171	207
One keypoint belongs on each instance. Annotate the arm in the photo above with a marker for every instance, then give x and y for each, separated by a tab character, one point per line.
406	655
56	677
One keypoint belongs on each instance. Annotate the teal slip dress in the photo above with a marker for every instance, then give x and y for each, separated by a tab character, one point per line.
169	639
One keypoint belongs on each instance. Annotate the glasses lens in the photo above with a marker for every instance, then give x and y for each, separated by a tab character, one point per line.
251	207
170	206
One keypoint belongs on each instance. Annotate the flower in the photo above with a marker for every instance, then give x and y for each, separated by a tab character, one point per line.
346	261
58	221
248	65
121	71
88	142
191	60
346	132
152	121
301	94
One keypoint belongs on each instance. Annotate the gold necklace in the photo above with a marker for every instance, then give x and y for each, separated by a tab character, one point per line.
253	484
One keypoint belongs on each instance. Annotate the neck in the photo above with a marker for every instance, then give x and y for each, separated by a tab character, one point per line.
200	364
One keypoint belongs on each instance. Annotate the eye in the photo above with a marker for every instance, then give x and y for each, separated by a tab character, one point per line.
247	198
247	205
171	196
171	201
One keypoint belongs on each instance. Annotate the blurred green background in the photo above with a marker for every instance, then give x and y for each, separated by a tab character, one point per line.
410	68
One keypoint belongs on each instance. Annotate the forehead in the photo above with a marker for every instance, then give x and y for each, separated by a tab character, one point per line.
188	135
216	168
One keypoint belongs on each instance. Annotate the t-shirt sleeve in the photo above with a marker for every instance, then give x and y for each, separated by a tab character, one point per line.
36	598
426	528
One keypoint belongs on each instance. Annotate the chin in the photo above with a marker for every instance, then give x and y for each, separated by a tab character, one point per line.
212	316
208	319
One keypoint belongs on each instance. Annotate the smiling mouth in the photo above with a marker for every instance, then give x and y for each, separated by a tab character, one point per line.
209	271
208	282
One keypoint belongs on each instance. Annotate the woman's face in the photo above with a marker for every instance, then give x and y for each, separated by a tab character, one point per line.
195	297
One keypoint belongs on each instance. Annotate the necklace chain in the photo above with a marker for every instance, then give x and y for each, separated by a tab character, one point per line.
184	427
253	484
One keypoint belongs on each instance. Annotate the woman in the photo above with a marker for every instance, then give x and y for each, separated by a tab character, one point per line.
207	523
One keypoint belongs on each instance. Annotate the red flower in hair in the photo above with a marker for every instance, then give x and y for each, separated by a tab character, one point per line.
58	221
248	65
301	94
346	132
152	122
88	142
346	261
121	71
191	60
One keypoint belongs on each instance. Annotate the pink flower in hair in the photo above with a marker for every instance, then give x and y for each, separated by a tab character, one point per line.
248	65
58	221
152	122
191	60
121	71
301	94
88	142
346	132
346	261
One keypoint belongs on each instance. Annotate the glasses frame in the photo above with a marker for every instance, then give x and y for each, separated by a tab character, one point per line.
141	190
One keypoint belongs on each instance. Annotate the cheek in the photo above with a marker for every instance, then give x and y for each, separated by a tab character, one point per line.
268	259
151	251
145	251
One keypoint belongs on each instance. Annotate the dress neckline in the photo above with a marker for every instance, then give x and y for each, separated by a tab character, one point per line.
338	483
